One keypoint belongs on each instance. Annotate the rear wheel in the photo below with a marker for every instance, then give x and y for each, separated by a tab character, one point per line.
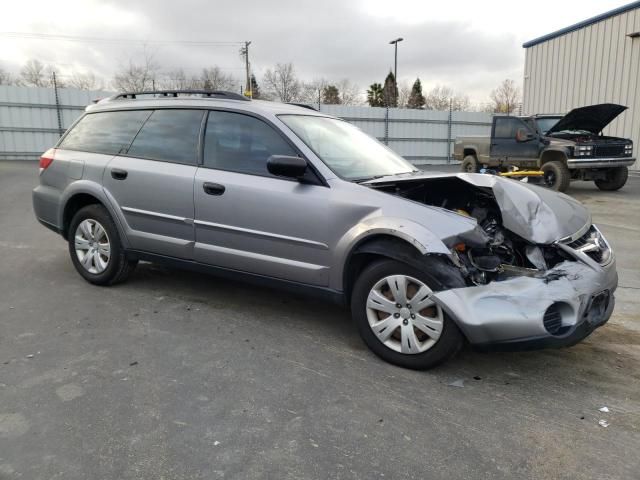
556	175
469	164
397	318
616	178
95	247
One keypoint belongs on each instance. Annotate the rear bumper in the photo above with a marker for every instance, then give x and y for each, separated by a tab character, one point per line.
510	314
600	162
46	206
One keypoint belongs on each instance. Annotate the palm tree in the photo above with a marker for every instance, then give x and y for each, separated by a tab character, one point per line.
375	95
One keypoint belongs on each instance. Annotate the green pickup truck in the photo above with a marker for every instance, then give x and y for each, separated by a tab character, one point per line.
565	148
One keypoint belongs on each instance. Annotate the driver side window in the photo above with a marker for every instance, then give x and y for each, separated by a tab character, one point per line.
241	143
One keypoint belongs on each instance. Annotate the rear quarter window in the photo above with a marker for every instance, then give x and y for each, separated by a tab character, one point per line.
105	132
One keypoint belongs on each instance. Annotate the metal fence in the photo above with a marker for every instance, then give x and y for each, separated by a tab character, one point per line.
32	120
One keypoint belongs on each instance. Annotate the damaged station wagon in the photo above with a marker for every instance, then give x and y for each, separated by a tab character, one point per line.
285	196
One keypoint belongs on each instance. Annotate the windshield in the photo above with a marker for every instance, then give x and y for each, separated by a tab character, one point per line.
345	149
545	124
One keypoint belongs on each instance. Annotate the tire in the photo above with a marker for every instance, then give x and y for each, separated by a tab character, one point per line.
88	247
469	164
428	351
556	175
616	179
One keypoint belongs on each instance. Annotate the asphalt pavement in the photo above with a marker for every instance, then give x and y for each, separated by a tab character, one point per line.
178	375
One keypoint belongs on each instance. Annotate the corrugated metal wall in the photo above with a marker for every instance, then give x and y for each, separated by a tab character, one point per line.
29	118
598	63
29	124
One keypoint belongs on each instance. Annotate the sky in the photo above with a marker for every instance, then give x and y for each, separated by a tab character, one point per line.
467	45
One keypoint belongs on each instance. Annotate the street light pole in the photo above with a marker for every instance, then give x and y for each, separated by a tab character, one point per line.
395	63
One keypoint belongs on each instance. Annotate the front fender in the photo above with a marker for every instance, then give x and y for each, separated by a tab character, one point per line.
411	232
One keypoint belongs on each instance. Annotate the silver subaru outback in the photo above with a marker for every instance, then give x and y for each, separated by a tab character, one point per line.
285	196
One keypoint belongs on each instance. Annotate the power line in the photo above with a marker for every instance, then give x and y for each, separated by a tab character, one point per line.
84	39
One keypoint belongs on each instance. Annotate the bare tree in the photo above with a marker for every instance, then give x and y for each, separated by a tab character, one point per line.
506	97
349	92
214	78
282	82
6	78
136	77
311	92
34	74
404	92
85	81
443	98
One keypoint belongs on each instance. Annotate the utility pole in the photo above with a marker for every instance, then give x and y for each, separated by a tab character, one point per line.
248	87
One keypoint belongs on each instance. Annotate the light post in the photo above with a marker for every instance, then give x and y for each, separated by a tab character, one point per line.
395	63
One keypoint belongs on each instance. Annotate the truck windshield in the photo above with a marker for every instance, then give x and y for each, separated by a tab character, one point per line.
545	124
345	149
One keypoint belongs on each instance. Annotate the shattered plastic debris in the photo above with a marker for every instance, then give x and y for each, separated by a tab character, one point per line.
216	443
30	355
603	423
604	409
457	383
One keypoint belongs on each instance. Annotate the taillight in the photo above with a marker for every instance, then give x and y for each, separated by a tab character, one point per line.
46	159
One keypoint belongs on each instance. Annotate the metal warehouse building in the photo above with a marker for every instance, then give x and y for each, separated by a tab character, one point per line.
594	61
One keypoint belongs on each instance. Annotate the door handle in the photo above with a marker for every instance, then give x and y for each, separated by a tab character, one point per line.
213	188
118	174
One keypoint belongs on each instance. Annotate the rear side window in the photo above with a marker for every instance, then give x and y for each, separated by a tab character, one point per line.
105	132
169	135
241	143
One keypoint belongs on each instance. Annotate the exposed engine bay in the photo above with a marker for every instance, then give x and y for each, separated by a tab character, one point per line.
500	253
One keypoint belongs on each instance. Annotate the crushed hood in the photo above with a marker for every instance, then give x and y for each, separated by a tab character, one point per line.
534	213
592	118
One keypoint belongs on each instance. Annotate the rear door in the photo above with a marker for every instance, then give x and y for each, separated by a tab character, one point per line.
151	182
505	147
249	220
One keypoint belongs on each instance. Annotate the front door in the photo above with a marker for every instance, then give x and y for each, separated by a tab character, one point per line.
506	148
152	183
249	220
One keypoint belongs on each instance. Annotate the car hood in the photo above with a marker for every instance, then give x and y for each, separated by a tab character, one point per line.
534	213
592	118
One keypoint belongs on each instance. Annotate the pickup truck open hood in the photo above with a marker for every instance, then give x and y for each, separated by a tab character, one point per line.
534	213
592	118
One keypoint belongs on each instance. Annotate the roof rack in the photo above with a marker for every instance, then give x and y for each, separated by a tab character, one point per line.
303	105
176	93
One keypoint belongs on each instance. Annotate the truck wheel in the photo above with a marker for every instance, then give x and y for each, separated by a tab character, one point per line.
398	321
469	164
616	178
556	175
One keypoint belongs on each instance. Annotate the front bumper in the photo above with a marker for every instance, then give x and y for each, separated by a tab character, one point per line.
585	162
510	314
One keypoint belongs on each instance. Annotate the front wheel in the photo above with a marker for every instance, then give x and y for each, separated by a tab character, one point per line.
615	180
95	248
397	318
556	175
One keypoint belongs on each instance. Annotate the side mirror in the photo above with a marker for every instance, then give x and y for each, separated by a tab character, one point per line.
524	135
287	166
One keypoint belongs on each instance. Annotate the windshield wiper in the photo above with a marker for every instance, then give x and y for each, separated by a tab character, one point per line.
366	179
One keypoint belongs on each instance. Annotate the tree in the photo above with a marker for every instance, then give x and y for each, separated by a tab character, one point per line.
506	97
349	92
416	98
404	92
255	89
331	95
443	98
137	77
33	73
375	96
6	78
282	82
214	78
85	81
390	91
311	92
177	80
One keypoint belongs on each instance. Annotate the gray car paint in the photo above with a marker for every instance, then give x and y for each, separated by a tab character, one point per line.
305	233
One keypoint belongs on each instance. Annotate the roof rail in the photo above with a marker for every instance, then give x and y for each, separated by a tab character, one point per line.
303	105
176	93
